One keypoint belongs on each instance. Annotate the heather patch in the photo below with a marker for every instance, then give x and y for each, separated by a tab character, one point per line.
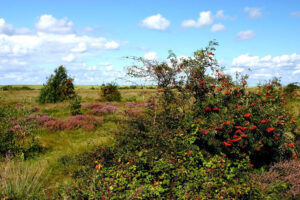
54	125
283	177
90	105
105	109
43	119
32	117
83	121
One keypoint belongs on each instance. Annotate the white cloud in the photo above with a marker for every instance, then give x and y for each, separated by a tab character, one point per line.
150	56
156	22
253	13
245	35
81	47
295	14
5	28
218	27
68	58
205	19
112	45
285	66
33	54
220	14
49	24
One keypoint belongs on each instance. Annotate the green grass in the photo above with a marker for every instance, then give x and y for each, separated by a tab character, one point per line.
63	147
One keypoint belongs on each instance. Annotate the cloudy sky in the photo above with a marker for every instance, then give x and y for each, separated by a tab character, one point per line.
92	38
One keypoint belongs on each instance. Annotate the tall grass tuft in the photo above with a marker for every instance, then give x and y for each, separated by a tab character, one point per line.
20	180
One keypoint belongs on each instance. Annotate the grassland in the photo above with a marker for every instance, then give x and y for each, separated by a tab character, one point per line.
62	146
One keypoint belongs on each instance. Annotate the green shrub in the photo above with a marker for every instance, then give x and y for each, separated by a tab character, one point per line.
59	87
75	106
110	92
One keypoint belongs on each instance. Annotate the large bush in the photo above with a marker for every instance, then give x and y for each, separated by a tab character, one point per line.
224	115
59	87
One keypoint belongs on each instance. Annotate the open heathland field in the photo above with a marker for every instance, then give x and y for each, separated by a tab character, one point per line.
196	136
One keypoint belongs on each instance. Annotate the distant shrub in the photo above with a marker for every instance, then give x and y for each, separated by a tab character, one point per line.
75	106
110	92
12	88
133	87
290	88
59	87
124	87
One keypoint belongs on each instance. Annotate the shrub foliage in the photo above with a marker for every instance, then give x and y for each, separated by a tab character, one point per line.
110	92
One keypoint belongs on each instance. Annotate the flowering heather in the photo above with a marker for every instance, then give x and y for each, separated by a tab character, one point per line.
19	105
35	109
82	121
16	128
32	116
130	104
106	109
142	105
54	125
43	119
285	172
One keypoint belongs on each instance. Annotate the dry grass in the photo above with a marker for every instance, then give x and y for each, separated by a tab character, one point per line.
20	180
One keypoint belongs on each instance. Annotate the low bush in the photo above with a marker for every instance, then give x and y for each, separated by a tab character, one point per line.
17	138
110	92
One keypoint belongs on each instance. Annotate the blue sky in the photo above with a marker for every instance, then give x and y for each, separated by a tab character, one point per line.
91	38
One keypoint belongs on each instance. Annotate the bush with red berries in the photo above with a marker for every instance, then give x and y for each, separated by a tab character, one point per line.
110	92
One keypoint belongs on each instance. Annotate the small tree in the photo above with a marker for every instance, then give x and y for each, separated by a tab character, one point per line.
58	87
